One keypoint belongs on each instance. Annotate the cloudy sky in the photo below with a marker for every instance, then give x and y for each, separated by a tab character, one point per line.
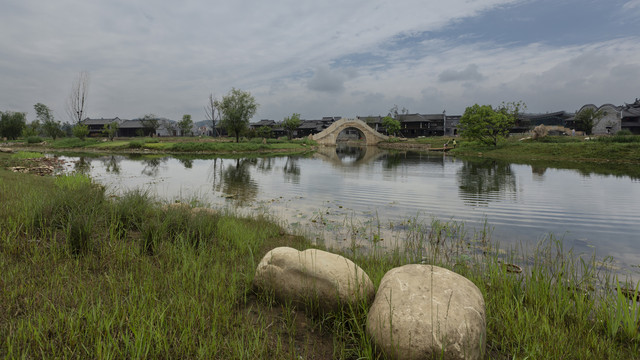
318	58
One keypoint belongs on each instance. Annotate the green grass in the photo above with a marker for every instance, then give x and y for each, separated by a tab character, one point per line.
22	155
603	149
71	143
85	275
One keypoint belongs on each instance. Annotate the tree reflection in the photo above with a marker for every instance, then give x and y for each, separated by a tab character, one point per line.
152	166
187	163
112	164
265	165
236	182
481	181
82	165
393	159
292	170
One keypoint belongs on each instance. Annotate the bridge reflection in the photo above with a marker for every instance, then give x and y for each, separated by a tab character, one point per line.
349	155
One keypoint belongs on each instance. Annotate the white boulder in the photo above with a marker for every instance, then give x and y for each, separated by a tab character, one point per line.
313	278
424	311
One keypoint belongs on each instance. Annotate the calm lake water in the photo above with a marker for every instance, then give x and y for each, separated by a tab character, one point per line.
336	189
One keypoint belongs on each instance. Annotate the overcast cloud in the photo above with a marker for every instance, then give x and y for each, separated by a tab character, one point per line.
318	59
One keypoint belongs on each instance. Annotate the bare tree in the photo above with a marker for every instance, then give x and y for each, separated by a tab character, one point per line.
212	112
78	98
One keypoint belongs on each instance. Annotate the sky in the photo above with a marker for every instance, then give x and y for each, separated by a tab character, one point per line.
318	58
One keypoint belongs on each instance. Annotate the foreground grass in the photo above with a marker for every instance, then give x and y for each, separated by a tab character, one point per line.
84	276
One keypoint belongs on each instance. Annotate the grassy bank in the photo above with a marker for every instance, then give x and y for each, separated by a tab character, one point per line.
618	149
177	145
87	276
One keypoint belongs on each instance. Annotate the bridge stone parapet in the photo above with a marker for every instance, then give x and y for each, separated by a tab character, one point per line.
329	135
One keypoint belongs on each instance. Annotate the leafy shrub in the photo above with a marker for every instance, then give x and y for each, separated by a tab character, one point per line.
624	132
34	139
136	144
81	131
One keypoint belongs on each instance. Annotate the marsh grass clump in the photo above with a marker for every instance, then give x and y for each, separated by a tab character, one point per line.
136	144
34	140
78	232
22	155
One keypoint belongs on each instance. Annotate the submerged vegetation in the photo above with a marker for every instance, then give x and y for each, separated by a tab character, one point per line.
85	275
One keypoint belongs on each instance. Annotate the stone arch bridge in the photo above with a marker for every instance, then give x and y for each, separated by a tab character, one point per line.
329	135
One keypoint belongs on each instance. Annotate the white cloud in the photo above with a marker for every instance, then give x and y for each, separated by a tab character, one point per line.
165	57
470	73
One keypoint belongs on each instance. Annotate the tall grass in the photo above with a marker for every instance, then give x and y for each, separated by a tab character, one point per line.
84	276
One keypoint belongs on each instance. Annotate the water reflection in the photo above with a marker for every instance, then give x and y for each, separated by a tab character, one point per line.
345	155
350	154
151	166
484	180
538	172
291	169
82	165
187	163
112	163
236	183
265	165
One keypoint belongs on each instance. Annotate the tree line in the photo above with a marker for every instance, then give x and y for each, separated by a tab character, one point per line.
235	109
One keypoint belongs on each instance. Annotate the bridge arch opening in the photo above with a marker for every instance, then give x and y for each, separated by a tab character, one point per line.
351	134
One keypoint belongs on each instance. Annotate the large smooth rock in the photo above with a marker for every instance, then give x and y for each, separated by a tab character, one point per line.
420	310
313	278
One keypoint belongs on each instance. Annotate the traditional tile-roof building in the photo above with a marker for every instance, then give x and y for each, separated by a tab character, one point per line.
96	126
630	118
614	118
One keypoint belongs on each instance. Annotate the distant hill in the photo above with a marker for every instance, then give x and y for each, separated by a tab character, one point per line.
203	123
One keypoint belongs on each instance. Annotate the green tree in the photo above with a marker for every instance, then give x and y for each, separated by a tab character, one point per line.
486	125
12	124
111	129
67	129
150	123
237	108
81	131
31	129
291	123
587	119
50	127
265	132
185	125
391	125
